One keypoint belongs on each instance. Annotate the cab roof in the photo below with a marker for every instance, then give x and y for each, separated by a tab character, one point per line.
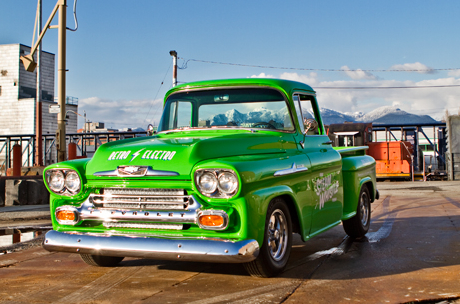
287	86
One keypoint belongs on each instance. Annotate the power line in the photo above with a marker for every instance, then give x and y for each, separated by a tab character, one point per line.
157	94
429	70
379	88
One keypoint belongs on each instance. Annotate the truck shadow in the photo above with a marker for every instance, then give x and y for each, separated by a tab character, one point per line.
412	244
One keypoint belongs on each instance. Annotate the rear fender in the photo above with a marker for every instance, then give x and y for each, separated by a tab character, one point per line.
357	172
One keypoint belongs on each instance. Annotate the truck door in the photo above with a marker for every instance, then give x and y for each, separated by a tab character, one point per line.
325	176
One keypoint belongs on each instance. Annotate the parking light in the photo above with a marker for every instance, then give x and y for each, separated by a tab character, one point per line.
66	215
213	219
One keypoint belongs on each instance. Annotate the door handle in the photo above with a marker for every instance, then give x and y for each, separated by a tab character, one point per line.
328	142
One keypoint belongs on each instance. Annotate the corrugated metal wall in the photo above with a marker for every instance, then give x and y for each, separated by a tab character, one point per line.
453	147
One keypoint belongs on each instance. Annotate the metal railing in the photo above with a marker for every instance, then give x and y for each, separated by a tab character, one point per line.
87	144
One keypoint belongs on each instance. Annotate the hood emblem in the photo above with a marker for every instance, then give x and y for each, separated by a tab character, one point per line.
132	170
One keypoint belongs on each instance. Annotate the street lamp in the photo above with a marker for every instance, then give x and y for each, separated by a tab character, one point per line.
30	65
174	55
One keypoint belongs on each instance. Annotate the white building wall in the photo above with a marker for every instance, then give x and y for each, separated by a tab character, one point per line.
18	93
9	73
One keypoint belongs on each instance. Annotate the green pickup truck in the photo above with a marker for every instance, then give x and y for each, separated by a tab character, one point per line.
235	168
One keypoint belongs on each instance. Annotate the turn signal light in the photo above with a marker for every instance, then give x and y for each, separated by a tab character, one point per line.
212	220
65	216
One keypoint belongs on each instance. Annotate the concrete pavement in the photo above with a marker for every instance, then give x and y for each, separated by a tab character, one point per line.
411	254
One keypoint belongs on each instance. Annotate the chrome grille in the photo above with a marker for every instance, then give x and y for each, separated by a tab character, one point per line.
141	199
144	226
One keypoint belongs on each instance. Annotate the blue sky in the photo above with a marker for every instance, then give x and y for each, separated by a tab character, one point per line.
119	55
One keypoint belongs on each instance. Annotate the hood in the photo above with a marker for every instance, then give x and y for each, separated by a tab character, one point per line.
180	151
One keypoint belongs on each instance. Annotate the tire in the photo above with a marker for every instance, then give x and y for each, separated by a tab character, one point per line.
358	225
101	260
276	248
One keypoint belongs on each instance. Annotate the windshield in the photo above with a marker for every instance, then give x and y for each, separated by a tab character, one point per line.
227	108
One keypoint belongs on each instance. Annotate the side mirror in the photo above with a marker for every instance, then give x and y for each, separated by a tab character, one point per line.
150	130
310	124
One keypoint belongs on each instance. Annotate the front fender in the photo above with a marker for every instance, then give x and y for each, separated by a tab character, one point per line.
258	202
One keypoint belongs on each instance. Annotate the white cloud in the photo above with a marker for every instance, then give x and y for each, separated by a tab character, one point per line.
454	73
357	74
309	79
121	113
263	75
415	67
422	101
396	104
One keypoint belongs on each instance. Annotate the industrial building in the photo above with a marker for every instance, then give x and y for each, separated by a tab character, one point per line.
18	93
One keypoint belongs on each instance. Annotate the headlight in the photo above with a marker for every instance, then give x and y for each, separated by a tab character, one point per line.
228	182
219	183
63	181
208	183
55	180
72	182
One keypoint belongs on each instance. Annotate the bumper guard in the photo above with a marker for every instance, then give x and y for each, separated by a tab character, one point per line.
187	249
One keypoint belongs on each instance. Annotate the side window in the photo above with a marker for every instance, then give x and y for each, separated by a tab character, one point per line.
184	114
298	112
180	114
311	120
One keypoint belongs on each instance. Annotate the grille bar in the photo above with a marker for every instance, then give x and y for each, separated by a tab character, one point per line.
143	191
144	226
88	211
141	198
126	205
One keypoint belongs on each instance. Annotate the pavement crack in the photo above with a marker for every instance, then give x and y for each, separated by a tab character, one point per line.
336	251
452	201
174	285
4	264
101	285
455	203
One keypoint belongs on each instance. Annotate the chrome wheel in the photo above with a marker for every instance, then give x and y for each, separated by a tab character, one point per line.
364	206
358	225
277	235
276	246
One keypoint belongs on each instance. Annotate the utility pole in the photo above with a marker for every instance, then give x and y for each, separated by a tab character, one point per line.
60	133
174	54
38	103
30	65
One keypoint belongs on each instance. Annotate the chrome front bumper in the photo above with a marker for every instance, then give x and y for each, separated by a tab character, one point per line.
187	249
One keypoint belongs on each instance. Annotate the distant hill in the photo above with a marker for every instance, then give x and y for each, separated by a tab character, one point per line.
334	117
381	115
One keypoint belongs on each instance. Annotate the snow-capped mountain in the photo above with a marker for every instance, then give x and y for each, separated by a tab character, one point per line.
254	116
382	115
396	116
334	117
